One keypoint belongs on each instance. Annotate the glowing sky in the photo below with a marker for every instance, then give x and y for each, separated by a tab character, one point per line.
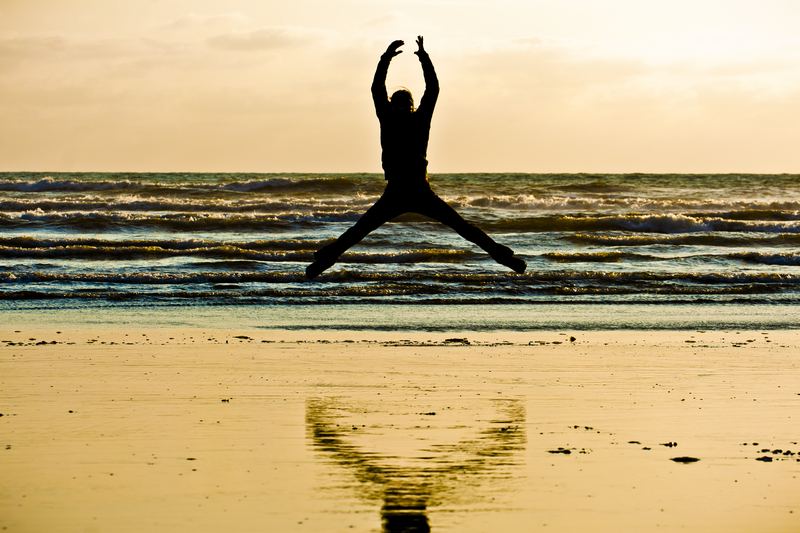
283	86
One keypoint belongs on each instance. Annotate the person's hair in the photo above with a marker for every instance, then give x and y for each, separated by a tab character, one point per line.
402	96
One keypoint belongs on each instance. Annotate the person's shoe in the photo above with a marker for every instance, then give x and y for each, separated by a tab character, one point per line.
513	262
319	266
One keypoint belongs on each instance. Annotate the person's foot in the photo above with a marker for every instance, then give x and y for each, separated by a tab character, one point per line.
513	262
505	256
319	266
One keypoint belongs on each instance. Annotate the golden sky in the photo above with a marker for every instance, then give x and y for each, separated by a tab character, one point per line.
283	85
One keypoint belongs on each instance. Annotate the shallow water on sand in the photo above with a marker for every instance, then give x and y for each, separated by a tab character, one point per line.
411	318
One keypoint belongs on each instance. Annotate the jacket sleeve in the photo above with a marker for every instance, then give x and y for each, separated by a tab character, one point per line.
379	96
428	101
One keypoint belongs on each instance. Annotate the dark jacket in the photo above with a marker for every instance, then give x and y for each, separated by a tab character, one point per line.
404	137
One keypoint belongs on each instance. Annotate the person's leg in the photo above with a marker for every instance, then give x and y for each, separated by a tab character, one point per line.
430	205
382	211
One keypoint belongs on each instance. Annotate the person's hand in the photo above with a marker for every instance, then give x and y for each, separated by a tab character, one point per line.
419	43
393	48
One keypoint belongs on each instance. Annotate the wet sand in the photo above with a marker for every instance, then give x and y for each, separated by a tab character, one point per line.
212	430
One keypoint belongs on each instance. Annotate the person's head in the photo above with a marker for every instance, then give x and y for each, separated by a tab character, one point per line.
402	101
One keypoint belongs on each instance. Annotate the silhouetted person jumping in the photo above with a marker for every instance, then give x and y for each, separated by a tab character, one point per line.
404	141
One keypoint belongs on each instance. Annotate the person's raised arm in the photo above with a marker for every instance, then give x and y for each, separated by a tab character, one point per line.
379	95
431	81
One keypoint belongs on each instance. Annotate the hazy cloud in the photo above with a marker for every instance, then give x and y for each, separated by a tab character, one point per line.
582	67
392	19
269	38
38	56
193	20
30	45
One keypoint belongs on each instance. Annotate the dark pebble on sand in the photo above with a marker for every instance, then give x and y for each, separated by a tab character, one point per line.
766	459
685	459
560	450
669	444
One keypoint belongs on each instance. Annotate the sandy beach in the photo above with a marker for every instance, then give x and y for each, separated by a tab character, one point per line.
215	430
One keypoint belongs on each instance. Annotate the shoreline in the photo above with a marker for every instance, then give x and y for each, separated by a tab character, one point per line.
118	335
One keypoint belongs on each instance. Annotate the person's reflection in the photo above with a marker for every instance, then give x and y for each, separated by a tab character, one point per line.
408	490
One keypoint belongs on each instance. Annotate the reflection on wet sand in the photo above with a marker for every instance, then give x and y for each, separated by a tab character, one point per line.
451	457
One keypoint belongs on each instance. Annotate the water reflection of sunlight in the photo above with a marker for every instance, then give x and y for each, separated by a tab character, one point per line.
412	461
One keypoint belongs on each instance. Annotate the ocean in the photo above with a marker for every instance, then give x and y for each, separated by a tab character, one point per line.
603	250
